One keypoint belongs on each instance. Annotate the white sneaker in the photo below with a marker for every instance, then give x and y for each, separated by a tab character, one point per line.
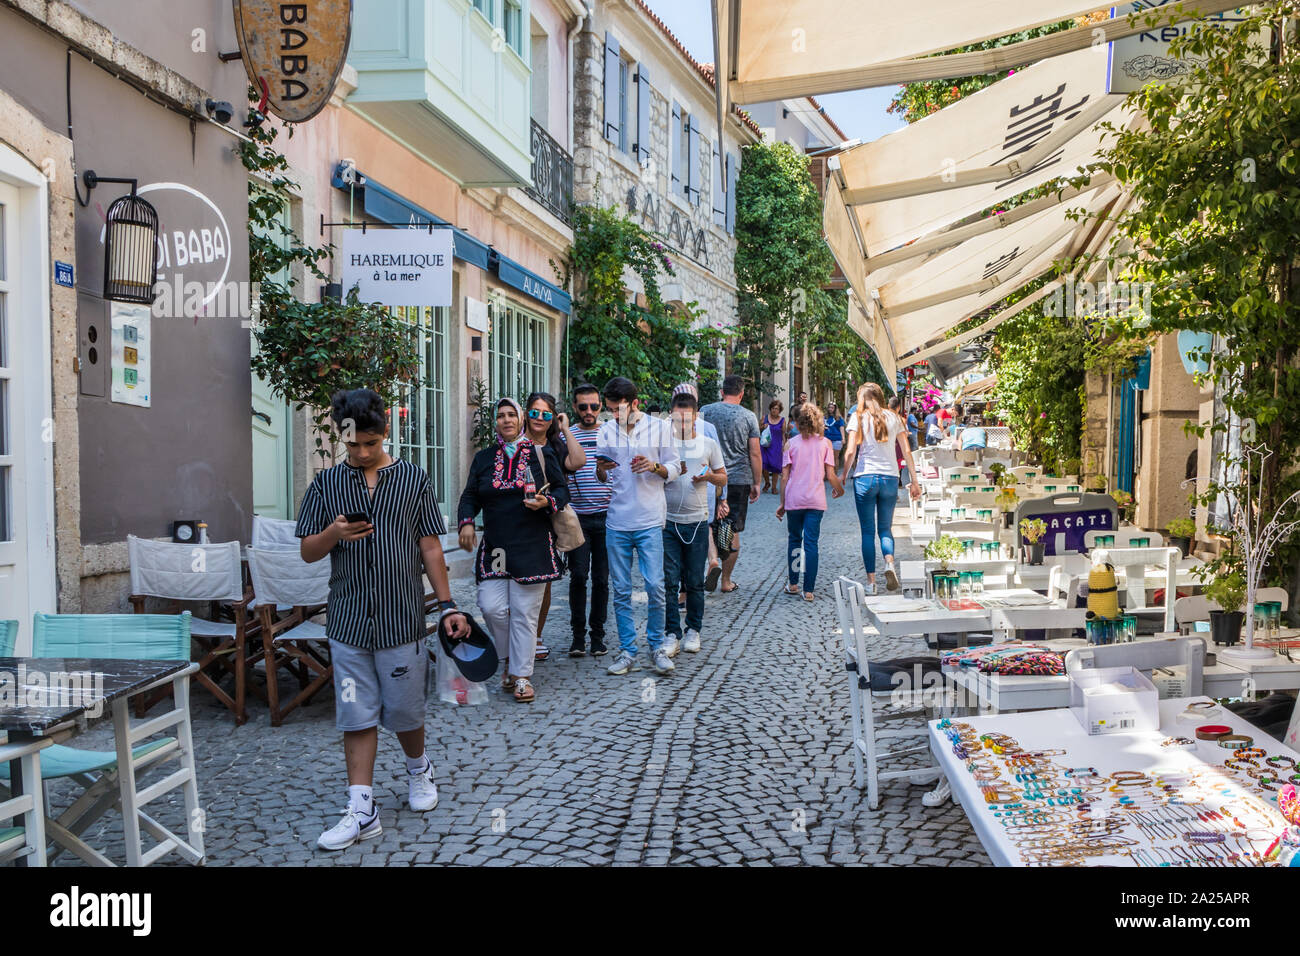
671	645
691	645
623	663
869	589
891	578
351	829
422	791
662	664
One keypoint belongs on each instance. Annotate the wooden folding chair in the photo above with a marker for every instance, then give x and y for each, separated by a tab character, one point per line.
294	643
200	572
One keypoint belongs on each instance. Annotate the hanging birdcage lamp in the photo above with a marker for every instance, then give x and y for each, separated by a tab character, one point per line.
130	244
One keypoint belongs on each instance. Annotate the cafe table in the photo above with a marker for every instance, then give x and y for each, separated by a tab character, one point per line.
1003	612
1151	837
57	698
1014	692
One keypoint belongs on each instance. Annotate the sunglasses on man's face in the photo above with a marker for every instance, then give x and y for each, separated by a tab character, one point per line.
582	407
536	413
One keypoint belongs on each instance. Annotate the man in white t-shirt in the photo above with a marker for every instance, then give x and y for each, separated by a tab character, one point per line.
686	532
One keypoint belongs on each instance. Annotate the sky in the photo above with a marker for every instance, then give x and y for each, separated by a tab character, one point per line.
861	113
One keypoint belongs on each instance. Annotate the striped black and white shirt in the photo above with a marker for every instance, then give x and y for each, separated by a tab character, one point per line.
376	583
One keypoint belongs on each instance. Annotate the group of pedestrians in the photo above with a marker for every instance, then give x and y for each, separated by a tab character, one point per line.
672	494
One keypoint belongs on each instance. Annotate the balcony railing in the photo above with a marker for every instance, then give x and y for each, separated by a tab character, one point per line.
552	173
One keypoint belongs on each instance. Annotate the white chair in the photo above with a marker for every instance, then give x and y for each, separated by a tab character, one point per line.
867	737
275	533
295	642
199	572
974	499
1190	611
1027	473
976	530
27	840
1131	564
1188	652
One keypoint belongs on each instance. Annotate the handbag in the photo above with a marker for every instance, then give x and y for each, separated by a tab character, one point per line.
766	438
565	526
722	534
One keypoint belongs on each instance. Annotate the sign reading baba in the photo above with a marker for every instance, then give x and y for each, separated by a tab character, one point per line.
399	266
293	52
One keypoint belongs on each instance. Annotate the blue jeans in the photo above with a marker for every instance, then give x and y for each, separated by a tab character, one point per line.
805	527
876	496
686	551
649	546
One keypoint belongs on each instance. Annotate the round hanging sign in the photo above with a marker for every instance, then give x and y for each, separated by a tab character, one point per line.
293	51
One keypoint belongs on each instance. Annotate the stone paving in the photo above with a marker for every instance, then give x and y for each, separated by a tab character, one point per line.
741	756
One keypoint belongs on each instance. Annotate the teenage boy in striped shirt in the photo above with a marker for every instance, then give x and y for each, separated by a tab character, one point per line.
590	499
376	623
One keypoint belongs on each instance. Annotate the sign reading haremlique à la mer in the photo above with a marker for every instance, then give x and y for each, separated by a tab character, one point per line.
1143	58
399	266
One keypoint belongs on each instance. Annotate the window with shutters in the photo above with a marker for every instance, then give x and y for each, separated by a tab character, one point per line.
513	26
421	416
486	8
684	157
518	351
719	194
627	106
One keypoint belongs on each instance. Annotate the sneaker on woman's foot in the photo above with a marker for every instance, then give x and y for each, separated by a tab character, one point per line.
662	664
891	578
671	645
351	829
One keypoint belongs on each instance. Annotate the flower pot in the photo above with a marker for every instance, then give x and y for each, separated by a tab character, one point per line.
1034	553
1007	518
1183	544
1225	626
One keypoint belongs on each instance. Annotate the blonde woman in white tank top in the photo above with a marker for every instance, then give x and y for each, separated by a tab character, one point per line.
876	438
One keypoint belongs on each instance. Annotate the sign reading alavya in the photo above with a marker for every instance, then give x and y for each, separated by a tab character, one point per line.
293	51
399	266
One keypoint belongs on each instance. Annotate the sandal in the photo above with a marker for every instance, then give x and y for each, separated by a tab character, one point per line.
734	587
792	589
809	596
507	679
524	693
711	579
542	652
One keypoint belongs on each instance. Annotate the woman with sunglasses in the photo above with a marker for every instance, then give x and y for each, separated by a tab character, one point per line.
547	427
516	485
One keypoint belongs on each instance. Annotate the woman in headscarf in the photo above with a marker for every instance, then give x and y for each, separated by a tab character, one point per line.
546	426
517	485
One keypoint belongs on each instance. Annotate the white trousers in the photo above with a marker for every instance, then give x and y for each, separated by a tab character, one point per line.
510	612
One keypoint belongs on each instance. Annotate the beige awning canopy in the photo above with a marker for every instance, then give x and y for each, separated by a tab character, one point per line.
779	49
980	388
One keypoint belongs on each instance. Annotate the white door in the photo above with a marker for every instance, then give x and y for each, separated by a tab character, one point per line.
26	501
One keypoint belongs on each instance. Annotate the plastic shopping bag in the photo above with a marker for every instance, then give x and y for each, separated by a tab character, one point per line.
452	686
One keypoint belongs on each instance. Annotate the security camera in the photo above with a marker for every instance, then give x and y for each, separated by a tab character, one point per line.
220	110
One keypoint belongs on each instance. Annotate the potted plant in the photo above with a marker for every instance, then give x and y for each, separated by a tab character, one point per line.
945	549
1031	533
997	470
1181	533
1229	592
1006	502
1124	501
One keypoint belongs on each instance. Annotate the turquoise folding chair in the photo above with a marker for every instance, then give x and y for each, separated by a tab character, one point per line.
29	838
110	778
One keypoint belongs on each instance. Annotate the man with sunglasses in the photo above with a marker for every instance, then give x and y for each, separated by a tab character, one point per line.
590	499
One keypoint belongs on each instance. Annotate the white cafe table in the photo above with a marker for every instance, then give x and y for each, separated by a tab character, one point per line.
894	616
1011	692
1060	729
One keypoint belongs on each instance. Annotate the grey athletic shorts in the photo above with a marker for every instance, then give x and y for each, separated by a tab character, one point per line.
379	687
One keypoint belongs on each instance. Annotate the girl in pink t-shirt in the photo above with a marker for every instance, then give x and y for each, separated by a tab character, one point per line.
808	462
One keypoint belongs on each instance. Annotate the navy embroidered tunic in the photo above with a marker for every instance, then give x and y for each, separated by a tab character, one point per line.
517	542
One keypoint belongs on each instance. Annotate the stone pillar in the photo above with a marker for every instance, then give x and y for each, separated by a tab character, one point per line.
1093	442
1172	400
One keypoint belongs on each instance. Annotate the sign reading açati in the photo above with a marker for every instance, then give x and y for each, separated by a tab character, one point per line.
398	266
293	52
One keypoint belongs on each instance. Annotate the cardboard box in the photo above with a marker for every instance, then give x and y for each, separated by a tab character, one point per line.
1114	700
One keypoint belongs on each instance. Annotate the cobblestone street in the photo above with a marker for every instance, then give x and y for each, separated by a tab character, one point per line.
741	756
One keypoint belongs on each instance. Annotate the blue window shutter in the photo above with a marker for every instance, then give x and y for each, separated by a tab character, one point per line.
719	194
693	149
611	88
731	194
642	114
675	141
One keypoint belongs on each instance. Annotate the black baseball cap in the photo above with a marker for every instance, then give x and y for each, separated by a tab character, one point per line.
475	656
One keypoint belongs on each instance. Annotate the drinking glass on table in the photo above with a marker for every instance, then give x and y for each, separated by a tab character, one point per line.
965	583
1130	628
1274	619
977	583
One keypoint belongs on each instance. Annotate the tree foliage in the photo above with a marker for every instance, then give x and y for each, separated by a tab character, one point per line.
653	345
1216	215
782	266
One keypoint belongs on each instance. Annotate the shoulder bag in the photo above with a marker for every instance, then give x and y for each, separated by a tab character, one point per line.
564	523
